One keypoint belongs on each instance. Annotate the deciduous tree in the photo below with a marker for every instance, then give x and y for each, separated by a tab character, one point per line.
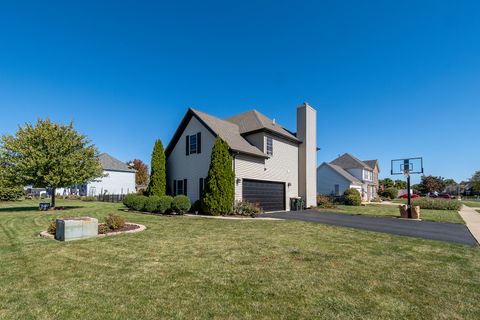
48	155
476	181
141	176
432	184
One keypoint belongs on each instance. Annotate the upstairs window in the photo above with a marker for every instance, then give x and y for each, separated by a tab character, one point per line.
269	146
193	144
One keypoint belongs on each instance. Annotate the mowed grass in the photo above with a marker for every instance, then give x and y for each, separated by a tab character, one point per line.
383	210
197	268
472	204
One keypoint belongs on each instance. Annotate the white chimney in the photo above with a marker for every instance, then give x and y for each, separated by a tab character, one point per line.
307	154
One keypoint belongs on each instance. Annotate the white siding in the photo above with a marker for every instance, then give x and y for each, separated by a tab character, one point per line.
281	167
116	182
194	166
327	178
357	173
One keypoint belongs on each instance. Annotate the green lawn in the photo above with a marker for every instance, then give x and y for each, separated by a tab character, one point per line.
473	204
196	268
383	210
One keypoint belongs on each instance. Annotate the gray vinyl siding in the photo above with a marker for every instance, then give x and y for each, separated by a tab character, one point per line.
327	178
281	167
194	166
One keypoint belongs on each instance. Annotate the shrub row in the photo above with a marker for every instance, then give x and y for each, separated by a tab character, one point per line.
166	204
437	204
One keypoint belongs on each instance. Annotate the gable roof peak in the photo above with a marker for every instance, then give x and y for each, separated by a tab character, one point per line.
348	161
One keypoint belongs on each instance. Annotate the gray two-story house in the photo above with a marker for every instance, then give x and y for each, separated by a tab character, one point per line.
347	172
271	164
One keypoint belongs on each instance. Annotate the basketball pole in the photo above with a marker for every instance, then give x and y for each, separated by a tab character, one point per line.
409	208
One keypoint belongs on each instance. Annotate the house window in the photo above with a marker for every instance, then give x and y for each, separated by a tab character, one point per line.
269	146
179	187
193	144
337	190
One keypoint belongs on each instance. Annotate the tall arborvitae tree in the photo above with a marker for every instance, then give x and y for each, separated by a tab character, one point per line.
158	175
219	186
48	155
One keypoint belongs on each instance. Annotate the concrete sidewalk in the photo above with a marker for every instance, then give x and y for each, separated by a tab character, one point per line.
472	219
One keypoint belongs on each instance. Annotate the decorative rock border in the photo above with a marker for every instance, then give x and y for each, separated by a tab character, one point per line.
141	227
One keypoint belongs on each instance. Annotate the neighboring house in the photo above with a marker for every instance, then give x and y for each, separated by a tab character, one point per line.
118	178
271	164
348	172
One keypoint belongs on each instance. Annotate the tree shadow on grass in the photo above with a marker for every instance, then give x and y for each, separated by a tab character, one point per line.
30	209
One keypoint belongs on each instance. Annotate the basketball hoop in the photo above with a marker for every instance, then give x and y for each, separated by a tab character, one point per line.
406	173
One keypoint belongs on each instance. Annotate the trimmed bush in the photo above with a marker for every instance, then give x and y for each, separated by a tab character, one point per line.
352	197
181	204
389	193
164	204
151	203
138	203
437	204
114	222
324	202
128	200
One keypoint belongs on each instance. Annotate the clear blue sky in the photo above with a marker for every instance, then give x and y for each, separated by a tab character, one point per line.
389	79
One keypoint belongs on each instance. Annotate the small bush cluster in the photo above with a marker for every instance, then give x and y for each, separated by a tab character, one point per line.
245	208
10	193
352	197
437	204
325	202
154	204
114	221
181	204
52	226
389	193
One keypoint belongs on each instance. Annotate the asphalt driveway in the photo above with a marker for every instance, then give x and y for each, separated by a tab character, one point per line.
449	232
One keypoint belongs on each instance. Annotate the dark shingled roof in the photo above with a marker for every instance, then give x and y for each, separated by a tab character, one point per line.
347	161
341	172
253	121
110	163
372	164
230	133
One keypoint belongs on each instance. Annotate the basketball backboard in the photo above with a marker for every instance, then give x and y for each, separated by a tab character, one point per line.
407	166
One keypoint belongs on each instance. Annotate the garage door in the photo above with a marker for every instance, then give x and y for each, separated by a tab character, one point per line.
269	195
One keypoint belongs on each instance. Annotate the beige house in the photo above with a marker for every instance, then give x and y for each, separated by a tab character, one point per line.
347	172
271	164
